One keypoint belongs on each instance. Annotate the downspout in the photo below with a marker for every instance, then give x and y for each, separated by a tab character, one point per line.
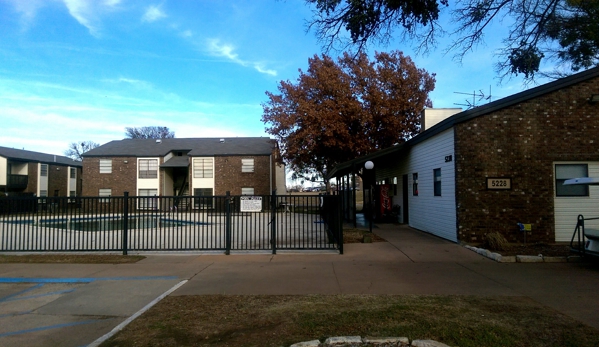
271	169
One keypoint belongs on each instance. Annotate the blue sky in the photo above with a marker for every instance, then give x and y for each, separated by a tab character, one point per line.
78	70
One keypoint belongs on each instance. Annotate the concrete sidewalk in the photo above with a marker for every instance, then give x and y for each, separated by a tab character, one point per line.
412	262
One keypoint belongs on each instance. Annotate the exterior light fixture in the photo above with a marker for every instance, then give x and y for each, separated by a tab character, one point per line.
594	99
369	165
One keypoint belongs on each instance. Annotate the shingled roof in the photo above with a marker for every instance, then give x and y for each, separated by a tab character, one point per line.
37	157
196	147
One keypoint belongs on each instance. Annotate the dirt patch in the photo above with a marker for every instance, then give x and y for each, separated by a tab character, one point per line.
357	236
466	321
547	250
71	258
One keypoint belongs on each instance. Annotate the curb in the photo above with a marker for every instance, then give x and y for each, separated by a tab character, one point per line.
340	341
523	258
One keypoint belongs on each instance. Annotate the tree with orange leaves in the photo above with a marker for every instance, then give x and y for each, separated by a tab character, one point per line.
337	111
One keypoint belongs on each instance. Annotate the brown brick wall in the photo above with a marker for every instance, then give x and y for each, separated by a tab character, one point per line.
522	142
123	177
57	180
32	173
228	175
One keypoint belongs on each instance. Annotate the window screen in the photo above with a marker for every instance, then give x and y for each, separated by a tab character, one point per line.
202	168
105	165
247	165
568	171
148	168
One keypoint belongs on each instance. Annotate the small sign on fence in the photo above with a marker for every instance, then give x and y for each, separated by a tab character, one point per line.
251	204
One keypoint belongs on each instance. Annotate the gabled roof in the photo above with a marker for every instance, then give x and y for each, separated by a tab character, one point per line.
467	115
196	147
37	157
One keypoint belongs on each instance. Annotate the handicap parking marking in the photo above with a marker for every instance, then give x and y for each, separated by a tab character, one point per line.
11	296
82	279
49	327
32	306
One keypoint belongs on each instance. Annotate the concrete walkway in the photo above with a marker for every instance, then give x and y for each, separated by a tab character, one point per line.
80	303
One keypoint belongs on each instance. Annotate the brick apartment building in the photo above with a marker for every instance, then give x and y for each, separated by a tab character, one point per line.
38	174
184	166
494	166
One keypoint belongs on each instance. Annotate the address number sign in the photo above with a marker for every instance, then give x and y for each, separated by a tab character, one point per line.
499	183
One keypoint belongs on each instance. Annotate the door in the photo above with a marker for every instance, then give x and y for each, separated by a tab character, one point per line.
406	210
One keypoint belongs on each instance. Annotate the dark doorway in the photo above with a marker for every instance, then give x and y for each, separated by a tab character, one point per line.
406	215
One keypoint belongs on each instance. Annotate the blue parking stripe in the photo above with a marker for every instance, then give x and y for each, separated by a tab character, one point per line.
41	295
7	298
82	280
49	327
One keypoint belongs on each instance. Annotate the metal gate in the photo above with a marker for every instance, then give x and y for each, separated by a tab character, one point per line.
188	223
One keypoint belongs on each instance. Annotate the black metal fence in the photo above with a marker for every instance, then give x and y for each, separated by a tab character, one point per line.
203	223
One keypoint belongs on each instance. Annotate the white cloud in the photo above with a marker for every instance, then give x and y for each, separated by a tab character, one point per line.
27	9
152	14
186	33
82	11
227	51
88	12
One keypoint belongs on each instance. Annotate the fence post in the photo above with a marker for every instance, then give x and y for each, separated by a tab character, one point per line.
340	228
273	221
228	223
125	222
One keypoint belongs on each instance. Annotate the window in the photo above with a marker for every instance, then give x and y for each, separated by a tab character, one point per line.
415	184
147	198
437	181
43	193
148	168
105	165
247	191
44	170
72	193
567	171
203	198
202	168
73	172
105	192
247	165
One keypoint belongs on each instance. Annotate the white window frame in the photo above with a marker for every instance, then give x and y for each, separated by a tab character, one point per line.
149	168
147	199
203	167
560	177
247	190
247	165
105	166
106	193
44	170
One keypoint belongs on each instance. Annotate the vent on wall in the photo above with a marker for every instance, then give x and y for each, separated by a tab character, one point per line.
159	141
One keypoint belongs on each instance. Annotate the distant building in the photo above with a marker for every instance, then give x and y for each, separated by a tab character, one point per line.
184	166
40	174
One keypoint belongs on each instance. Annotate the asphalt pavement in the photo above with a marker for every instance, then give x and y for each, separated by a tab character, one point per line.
75	304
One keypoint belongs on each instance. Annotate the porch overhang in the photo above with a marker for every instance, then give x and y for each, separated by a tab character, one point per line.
354	165
182	161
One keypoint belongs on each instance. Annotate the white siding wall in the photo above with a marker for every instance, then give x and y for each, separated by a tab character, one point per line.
434	214
42	180
148	183
202	182
567	209
3	173
72	181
